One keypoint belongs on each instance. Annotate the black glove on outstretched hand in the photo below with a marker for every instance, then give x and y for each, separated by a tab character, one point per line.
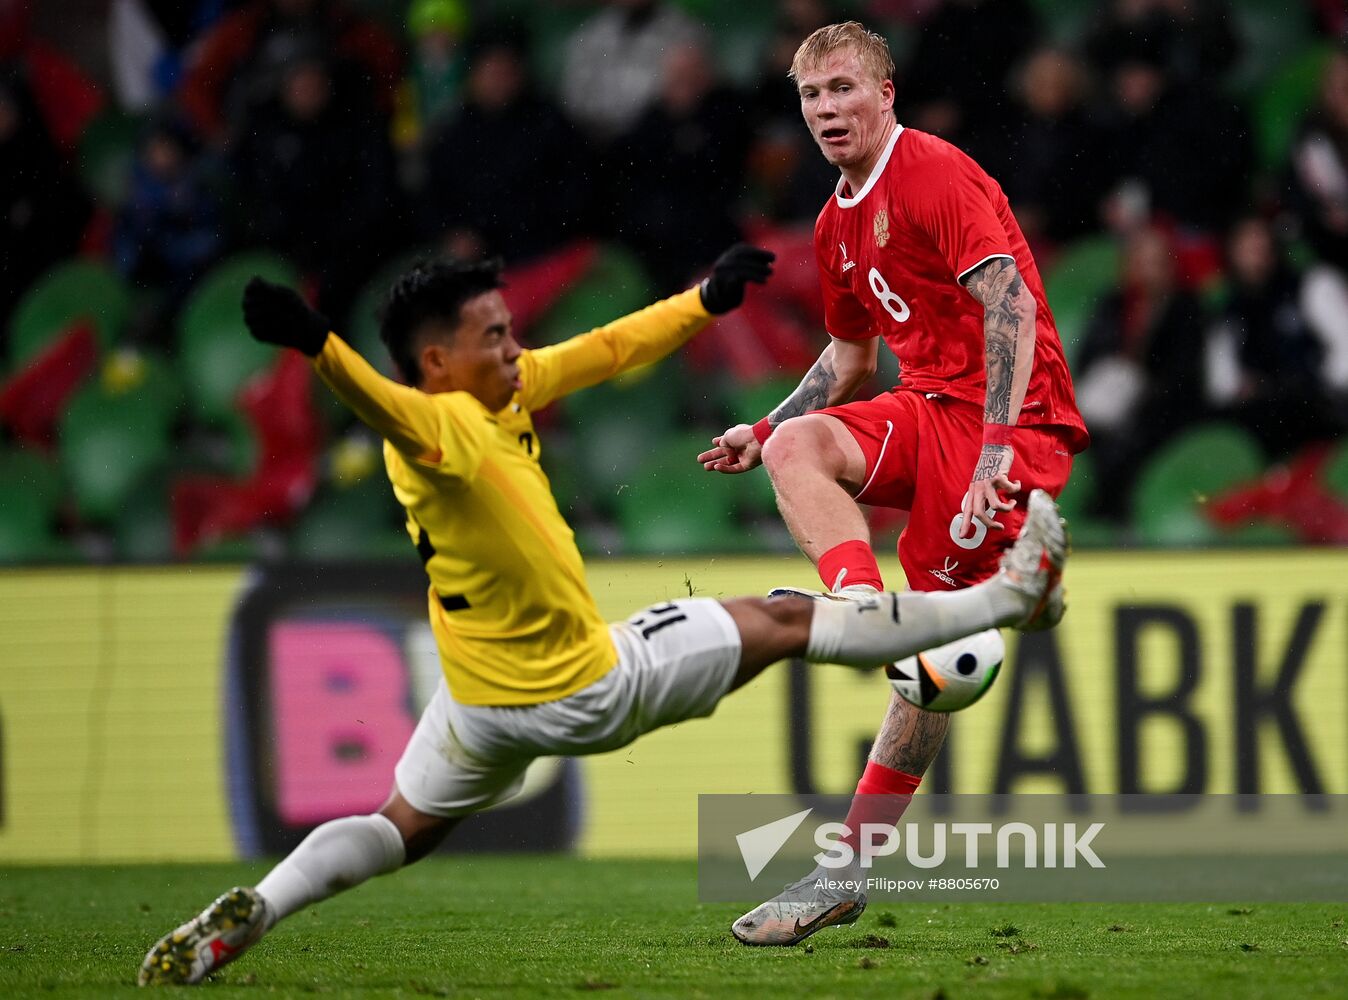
277	315
723	289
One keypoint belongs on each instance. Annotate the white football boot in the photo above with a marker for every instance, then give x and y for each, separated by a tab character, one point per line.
221	933
1033	565
800	910
858	593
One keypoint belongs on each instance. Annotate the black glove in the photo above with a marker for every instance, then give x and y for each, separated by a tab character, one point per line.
723	289
277	315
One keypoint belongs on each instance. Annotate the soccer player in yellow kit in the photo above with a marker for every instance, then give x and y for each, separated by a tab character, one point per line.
530	667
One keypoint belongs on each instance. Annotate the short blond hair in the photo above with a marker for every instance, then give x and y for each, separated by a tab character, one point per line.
871	49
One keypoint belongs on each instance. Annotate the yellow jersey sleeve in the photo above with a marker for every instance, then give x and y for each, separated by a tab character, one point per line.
446	431
590	358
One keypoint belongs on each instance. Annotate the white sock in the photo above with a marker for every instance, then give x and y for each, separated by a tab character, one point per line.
335	856
899	625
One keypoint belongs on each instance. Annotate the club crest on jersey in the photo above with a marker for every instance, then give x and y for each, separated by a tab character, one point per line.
881	227
847	264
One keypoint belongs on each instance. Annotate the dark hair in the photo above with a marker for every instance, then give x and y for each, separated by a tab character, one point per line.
431	290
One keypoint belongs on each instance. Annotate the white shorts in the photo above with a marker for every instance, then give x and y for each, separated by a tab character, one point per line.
675	662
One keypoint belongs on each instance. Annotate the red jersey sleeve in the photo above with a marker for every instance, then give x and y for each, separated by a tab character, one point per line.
950	198
844	317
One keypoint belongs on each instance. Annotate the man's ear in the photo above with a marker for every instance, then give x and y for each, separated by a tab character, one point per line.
434	361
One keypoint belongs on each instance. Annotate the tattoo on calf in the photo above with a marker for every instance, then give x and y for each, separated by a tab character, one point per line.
909	738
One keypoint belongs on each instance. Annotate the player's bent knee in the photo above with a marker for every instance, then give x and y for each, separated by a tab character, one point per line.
795	443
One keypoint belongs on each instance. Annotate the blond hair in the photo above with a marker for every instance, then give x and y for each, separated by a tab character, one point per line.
871	49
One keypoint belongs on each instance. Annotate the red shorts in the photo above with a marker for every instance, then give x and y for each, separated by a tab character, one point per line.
920	456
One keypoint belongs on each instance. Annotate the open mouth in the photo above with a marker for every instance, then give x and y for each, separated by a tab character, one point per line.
833	134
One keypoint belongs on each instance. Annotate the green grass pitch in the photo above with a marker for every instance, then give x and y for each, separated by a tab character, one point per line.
561	927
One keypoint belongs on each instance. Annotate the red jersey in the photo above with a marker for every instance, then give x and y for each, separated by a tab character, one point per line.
891	258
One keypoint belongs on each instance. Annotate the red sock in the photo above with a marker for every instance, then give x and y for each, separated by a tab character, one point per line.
848	564
881	797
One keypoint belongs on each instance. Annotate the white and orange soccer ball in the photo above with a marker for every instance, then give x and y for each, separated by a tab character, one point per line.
950	677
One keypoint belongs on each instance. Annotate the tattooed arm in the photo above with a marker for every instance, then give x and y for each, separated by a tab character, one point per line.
841	370
1008	335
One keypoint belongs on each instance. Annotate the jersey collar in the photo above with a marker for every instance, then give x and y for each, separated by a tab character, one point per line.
877	170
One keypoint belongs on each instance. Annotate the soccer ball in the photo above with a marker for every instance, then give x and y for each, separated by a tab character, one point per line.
949	677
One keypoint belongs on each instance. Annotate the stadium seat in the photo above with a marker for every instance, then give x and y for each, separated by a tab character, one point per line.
1080	276
606	452
747	404
362	324
1170	493
615	286
1334	475
142	530
1064	20
73	290
1274	34
216	355
1283	102
109	443
107	153
1079	493
357	522
24	527
30	489
665	506
1075	502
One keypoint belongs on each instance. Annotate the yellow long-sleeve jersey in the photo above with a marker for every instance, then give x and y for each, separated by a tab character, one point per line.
512	613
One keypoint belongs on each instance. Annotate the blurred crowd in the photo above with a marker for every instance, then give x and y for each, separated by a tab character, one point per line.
343	135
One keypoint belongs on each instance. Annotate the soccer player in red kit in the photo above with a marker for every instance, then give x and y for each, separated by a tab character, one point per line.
917	246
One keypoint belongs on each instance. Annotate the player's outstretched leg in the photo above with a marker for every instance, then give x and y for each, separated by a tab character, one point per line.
218	935
884	627
1026	592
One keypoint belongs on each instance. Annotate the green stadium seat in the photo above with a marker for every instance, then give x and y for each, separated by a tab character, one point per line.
1274	33
559	458
216	355
73	290
142	530
29	471
30	489
614	286
606	453
1082	274
1065	21
1079	493
109	443
1335	472
25	529
107	153
1283	102
667	506
362	325
1170	493
360	521
747	404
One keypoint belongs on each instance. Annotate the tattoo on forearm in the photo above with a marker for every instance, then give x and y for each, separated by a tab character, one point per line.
990	461
813	393
998	285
